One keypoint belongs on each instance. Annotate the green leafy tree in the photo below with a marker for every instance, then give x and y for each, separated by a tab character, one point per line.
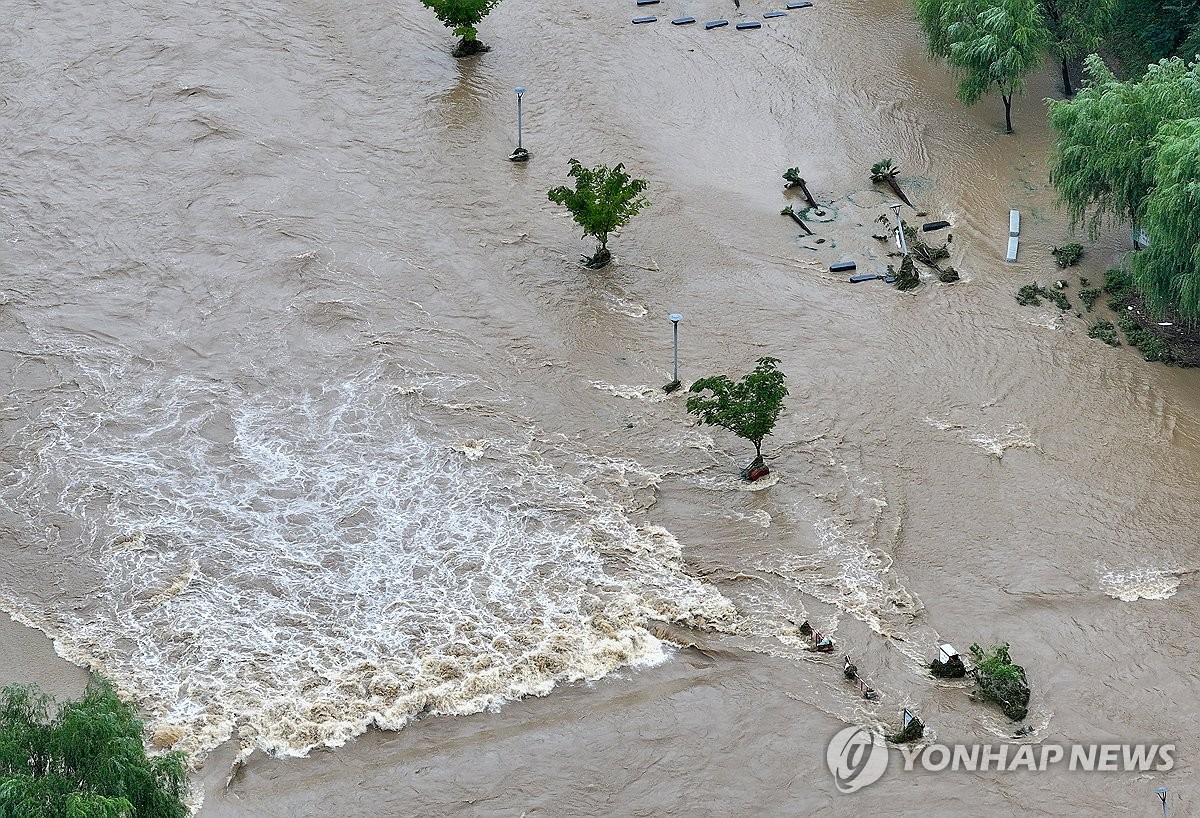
602	200
1146	31
1077	27
988	43
749	408
1102	162
463	16
1168	271
85	761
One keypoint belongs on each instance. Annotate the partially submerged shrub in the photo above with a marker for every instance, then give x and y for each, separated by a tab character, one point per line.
999	680
1068	255
1031	295
1150	345
1089	297
1106	332
907	278
1118	284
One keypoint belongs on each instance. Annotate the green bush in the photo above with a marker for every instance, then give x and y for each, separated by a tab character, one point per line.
999	680
1119	285
1031	295
1106	332
1150	345
1068	255
1089	297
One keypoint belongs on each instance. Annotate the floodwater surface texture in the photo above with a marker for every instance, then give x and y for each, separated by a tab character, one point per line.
315	424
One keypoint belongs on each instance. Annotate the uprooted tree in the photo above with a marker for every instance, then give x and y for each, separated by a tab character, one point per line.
1000	681
603	199
86	760
463	16
749	408
884	172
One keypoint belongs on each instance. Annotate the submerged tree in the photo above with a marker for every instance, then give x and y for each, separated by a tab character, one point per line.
989	43
884	172
463	16
603	199
85	761
749	408
1076	29
1001	681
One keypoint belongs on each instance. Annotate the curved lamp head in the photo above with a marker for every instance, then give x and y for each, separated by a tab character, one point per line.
675	317
520	89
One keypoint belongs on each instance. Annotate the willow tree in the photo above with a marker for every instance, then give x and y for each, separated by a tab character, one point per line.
1102	163
988	43
463	16
1168	271
602	200
1077	28
87	760
749	408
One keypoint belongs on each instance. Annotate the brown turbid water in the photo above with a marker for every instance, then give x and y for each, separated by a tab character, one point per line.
315	423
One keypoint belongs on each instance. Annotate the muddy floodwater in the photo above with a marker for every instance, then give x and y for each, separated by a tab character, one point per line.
321	444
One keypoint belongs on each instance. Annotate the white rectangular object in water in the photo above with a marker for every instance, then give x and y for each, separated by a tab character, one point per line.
1012	249
946	653
1014	223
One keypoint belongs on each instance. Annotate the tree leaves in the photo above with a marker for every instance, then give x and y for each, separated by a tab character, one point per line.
1130	152
987	42
461	15
749	408
87	761
1168	271
603	199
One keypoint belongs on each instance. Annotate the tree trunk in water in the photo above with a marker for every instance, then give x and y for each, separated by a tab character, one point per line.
601	258
467	48
1007	112
895	186
1067	89
808	197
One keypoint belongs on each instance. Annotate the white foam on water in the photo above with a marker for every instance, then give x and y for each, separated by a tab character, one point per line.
994	442
649	394
1132	584
293	566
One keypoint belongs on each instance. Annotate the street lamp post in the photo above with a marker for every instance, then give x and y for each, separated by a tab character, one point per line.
900	238
1161	792
520	154
674	384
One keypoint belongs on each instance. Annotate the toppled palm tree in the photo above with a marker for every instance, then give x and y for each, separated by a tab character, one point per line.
883	171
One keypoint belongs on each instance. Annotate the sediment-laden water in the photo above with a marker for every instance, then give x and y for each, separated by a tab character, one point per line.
315	422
